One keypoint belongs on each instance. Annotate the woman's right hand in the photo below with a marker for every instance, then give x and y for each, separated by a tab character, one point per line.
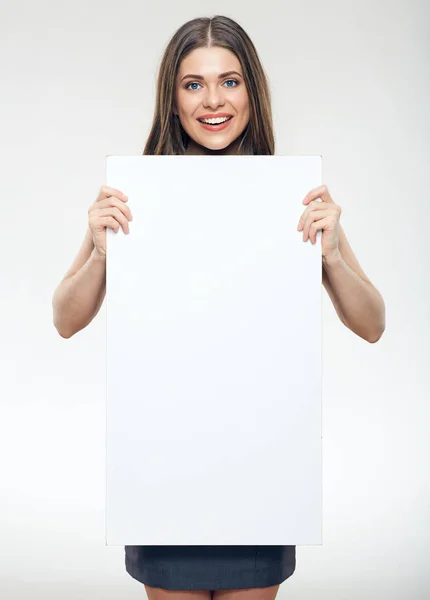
109	210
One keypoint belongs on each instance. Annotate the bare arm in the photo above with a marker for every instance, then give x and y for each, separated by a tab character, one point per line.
79	296
349	257
353	294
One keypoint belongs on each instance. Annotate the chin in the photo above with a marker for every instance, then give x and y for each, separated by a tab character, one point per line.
220	145
216	143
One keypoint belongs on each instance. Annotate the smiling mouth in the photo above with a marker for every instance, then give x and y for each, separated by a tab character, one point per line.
204	122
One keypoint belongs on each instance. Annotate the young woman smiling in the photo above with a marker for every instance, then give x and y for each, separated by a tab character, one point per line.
213	98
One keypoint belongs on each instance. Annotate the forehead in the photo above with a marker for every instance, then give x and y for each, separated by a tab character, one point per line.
209	62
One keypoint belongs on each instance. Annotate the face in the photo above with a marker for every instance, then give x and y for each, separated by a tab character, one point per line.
202	92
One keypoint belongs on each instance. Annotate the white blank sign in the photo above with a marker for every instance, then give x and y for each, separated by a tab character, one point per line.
213	354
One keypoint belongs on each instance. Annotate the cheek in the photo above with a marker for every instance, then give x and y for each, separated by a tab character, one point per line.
243	104
185	104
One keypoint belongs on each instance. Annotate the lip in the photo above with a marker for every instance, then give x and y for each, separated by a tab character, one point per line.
215	128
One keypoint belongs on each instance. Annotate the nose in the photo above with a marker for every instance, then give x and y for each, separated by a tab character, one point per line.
214	97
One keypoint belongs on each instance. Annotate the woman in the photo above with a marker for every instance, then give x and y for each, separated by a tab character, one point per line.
213	98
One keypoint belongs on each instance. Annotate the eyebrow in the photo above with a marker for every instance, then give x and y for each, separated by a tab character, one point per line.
219	76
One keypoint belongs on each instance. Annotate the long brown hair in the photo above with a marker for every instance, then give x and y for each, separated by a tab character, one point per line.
167	136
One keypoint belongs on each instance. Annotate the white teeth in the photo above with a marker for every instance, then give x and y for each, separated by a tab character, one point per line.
215	121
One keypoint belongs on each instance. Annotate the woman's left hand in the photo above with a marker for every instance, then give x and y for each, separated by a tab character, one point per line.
321	215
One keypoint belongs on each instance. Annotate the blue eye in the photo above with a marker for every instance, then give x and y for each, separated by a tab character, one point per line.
229	86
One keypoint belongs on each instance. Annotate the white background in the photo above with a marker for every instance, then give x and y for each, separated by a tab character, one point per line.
350	82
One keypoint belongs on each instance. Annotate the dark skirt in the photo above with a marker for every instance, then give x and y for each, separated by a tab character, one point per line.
210	567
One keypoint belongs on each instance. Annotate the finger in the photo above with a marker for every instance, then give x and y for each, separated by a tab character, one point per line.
113	211
314	207
318	192
316	226
111	201
106	191
312	216
115	201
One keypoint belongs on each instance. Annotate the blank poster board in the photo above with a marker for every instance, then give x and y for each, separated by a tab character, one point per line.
213	354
